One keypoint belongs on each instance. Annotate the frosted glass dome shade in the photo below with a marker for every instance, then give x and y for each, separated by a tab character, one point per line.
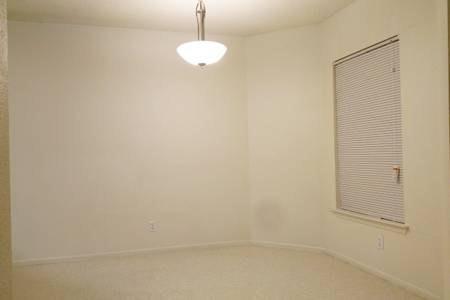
202	53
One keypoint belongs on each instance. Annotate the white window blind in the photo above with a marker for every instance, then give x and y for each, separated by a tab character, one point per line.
369	132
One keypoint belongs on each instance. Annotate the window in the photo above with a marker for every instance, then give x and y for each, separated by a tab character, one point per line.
369	132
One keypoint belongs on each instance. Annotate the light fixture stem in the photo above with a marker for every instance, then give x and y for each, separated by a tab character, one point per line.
200	12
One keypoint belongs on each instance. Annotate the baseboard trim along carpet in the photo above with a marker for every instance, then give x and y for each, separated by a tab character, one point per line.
288	246
394	280
64	259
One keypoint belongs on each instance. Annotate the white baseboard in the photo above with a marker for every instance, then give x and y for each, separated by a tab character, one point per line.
392	279
288	246
64	259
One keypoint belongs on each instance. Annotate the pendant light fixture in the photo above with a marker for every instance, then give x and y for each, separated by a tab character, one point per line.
201	52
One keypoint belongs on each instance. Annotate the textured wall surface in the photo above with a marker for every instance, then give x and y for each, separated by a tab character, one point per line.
291	129
110	129
81	169
5	245
285	135
425	139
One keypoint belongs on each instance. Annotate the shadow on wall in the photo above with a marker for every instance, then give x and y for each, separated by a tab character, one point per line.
269	215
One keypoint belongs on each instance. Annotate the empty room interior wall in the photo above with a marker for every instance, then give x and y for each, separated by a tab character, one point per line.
112	130
5	228
414	258
291	144
445	31
286	136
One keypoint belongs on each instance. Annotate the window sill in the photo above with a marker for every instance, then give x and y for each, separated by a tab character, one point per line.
379	223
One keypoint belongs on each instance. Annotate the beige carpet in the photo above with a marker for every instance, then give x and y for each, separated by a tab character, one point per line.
216	273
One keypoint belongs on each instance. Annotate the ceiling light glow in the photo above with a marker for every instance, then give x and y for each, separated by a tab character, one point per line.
201	52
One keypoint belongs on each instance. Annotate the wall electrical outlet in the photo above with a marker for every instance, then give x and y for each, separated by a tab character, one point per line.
380	242
152	226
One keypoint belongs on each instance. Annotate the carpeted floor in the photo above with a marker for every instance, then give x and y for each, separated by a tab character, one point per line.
215	273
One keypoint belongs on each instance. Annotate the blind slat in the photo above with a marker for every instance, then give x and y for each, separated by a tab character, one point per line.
368	133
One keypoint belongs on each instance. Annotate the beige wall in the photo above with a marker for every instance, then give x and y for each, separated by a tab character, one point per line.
290	100
444	9
5	228
111	129
416	257
286	136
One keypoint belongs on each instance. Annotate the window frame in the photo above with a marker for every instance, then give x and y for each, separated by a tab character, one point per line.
337	210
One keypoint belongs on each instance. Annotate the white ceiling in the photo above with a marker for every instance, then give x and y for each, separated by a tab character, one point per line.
235	17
